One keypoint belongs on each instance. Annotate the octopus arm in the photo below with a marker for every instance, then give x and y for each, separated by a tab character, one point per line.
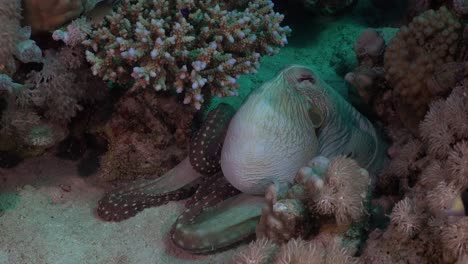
205	148
207	227
123	203
181	181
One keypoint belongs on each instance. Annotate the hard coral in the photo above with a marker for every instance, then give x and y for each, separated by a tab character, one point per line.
414	55
25	133
187	45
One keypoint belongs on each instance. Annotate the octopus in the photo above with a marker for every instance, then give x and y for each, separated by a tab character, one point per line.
236	156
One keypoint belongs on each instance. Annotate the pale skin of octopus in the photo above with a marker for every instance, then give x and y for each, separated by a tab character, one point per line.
236	156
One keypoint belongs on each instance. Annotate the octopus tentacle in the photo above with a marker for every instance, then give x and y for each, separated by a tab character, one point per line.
218	220
123	203
181	181
205	187
205	148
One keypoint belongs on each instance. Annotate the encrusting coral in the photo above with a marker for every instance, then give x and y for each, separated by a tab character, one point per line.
186	46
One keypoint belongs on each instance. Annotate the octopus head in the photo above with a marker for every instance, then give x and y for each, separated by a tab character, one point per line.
297	75
307	84
277	121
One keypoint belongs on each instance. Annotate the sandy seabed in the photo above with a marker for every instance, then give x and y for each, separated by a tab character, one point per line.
50	218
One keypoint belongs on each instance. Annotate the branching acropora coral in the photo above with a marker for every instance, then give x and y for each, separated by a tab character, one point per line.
185	45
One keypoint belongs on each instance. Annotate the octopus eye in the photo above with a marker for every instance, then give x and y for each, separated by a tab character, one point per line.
308	78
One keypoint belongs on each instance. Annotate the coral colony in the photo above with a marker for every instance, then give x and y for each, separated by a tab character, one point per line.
188	46
143	96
